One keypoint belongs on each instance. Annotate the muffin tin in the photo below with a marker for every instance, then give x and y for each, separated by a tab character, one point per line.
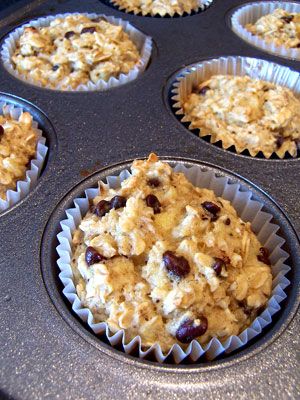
46	350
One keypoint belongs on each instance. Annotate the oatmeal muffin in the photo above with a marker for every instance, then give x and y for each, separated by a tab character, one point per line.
247	113
168	261
74	50
160	7
18	143
280	28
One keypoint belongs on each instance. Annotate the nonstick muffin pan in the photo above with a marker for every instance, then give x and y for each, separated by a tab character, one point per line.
46	351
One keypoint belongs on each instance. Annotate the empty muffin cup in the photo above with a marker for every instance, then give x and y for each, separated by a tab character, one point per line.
162	8
274	35
243	103
108	71
248	209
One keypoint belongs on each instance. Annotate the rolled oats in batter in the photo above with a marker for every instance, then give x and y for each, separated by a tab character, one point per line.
168	261
246	113
160	7
280	28
74	50
18	142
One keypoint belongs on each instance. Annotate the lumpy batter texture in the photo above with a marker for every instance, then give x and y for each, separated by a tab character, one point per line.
18	141
74	50
280	28
160	7
247	113
168	261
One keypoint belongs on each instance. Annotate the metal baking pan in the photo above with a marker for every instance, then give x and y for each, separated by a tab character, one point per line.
46	352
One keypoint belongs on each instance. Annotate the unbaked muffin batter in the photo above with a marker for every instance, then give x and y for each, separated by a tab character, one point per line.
74	50
280	28
160	7
18	141
247	113
168	261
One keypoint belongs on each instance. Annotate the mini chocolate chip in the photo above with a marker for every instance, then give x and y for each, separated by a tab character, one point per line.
212	208
153	202
153	182
227	221
102	208
279	141
288	18
1	131
92	256
264	255
69	34
218	265
118	202
90	29
177	266
189	331
99	19
55	67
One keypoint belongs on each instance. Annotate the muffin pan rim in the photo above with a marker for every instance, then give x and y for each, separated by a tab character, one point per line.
64	309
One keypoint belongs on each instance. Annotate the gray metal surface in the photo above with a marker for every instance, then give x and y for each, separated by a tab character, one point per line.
45	352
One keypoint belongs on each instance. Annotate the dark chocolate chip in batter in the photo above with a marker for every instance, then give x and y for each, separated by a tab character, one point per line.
153	182
118	202
92	256
153	202
189	331
218	265
69	34
212	208
264	255
1	131
177	266
227	221
89	29
55	67
288	18
102	208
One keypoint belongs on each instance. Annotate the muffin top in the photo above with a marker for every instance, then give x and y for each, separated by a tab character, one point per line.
247	113
168	261
18	142
74	50
280	28
160	7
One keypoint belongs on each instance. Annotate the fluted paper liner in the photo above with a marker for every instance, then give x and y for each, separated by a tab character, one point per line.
142	42
194	74
250	13
248	210
23	187
201	6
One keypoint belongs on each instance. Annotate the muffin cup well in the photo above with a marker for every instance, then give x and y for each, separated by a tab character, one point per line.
250	13
193	75
247	208
23	187
142	42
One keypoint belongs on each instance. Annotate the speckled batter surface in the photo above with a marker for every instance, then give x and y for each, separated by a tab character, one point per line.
160	7
18	141
74	50
220	282
280	28
246	113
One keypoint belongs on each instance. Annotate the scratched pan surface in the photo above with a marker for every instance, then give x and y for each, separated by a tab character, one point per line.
45	350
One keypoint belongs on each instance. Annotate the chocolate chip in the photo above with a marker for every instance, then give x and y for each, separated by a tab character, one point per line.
92	256
55	67
264	255
227	221
189	331
288	18
102	208
203	90
177	266
1	131
212	208
153	182
118	202
153	202
279	141
99	19
218	265
69	34
90	29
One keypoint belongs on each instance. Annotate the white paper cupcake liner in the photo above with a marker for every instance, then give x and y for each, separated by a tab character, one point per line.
193	75
142	42
201	6
247	208
24	186
250	13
